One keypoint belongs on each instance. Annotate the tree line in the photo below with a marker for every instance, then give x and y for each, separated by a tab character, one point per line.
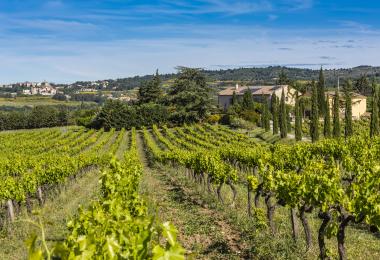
44	116
188	100
267	75
323	107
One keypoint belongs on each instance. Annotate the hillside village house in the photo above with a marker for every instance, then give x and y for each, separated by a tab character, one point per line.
359	104
258	92
43	88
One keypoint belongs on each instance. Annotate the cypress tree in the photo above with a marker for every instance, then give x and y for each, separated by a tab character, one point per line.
262	116
283	123
301	104
377	87
273	100
234	100
327	121
298	119
321	93
267	115
288	120
336	122
263	112
348	109
275	115
247	102
374	127
314	120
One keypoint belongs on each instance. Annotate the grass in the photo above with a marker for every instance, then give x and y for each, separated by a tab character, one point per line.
57	210
35	101
124	146
203	233
262	137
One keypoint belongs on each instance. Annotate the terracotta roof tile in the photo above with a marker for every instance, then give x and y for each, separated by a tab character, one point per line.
341	94
256	90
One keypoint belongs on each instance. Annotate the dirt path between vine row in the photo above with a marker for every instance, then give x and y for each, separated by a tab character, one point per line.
203	231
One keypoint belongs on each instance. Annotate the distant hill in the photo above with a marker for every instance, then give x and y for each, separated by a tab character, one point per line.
270	74
266	75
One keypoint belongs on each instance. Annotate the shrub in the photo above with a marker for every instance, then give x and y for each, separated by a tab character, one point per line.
237	122
214	119
250	115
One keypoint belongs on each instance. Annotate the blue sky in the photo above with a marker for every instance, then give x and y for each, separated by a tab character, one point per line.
69	40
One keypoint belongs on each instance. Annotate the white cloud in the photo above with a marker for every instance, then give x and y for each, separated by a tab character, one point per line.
91	45
70	61
55	25
225	7
300	4
54	4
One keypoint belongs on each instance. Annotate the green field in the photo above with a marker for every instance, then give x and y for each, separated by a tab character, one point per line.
36	101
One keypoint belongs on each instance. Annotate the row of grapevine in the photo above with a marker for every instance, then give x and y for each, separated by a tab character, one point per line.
339	179
27	175
115	145
206	167
117	226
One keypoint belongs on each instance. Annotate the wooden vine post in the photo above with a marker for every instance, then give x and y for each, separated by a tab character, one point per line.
11	212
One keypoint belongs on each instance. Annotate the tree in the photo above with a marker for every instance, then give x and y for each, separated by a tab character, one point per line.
300	87
283	78
327	120
118	115
234	100
43	116
298	119
262	115
273	100
60	97
190	96
63	116
266	106
112	116
150	91
336	121
283	123
265	116
374	126
348	109
288	120
247	101
362	85
314	120
321	93
275	116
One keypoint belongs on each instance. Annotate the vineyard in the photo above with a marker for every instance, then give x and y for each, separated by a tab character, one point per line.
115	225
229	194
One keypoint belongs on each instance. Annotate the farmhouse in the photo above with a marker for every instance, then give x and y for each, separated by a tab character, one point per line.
359	104
258	93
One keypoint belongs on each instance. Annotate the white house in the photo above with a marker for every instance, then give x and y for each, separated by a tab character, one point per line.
359	104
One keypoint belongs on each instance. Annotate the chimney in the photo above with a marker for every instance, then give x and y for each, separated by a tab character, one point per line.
237	86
